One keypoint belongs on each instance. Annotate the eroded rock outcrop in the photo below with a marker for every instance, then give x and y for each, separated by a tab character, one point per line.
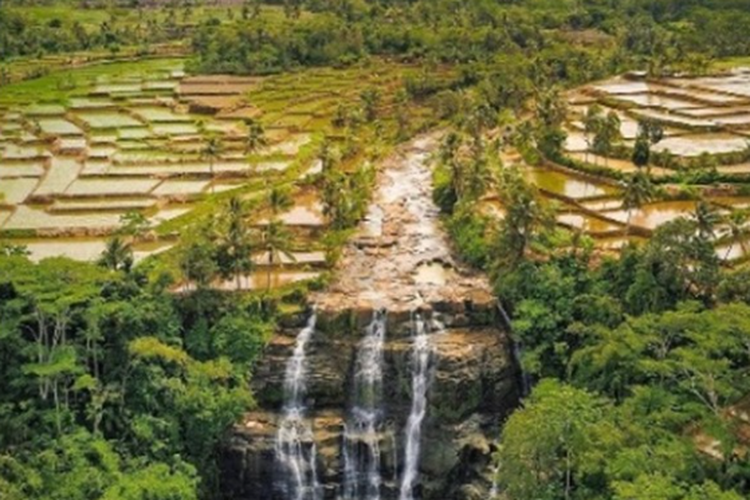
473	379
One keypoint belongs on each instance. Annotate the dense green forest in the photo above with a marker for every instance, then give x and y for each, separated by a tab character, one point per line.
113	387
636	362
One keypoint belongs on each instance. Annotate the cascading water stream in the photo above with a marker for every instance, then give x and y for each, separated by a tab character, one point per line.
495	489
296	453
517	353
422	355
361	449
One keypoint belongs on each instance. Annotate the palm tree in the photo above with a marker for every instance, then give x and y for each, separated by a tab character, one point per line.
370	101
592	121
256	137
638	192
400	105
235	242
117	255
735	230
277	243
334	197
706	218
607	133
481	173
326	155
650	133
197	262
279	200
449	151
212	152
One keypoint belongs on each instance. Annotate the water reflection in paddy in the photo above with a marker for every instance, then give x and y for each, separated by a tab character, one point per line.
566	185
697	144
83	249
732	251
587	223
307	211
654	215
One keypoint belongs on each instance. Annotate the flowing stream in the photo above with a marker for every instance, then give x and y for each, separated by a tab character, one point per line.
295	445
422	354
361	450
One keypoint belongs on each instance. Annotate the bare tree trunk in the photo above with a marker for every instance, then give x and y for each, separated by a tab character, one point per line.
270	270
627	223
729	251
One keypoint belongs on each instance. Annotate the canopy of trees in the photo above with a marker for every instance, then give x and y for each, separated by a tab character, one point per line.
112	388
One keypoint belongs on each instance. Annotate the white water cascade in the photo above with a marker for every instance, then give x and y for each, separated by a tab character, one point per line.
361	451
296	453
495	489
422	355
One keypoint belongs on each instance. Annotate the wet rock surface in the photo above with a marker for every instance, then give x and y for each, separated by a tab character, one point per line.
384	265
472	375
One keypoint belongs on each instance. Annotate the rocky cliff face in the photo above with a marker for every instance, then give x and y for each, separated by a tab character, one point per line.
473	378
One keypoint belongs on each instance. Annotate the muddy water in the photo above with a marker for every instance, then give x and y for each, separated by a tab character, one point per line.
587	223
654	215
83	249
307	211
733	251
695	145
566	185
385	264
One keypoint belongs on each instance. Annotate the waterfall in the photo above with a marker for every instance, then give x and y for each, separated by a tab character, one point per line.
495	489
517	352
422	353
361	448
296	453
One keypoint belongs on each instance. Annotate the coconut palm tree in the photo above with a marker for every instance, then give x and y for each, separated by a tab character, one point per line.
638	192
277	243
256	137
650	133
211	152
117	255
370	102
235	242
279	199
706	218
592	121
607	134
449	156
736	222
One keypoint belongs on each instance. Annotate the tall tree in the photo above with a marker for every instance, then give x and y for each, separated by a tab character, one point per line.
256	137
736	223
607	134
117	255
235	241
638	192
211	152
592	121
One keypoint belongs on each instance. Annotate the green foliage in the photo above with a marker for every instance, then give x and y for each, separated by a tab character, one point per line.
469	232
103	393
554	447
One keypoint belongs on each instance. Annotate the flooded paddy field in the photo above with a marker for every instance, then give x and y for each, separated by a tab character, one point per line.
700	115
706	125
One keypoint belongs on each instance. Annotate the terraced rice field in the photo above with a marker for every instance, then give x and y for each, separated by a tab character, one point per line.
701	118
702	115
82	148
